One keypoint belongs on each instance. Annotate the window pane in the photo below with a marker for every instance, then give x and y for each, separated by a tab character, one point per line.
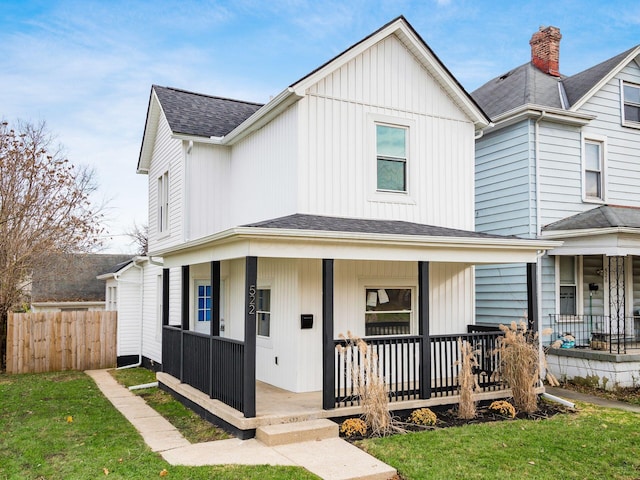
567	300
391	141
391	175
567	270
592	156
387	324
632	113
631	94
264	300
388	299
592	184
263	322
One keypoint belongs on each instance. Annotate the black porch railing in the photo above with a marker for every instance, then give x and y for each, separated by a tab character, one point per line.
597	332
172	350
398	362
213	365
446	357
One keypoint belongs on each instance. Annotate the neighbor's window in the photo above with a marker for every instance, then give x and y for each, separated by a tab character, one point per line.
568	290
391	153
163	203
388	311
112	298
263	311
631	108
593	168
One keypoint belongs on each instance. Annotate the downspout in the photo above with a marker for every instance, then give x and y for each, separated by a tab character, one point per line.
141	283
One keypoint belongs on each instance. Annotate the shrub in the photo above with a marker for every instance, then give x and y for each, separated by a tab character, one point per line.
353	426
423	416
503	407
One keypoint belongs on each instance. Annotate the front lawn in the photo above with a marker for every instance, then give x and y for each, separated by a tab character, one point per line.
596	443
59	426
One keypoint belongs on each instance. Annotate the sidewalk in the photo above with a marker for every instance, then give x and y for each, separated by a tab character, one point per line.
585	398
333	458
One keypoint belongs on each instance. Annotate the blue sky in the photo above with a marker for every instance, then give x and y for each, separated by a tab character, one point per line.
86	67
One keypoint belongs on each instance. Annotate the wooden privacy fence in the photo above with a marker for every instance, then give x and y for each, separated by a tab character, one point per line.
56	341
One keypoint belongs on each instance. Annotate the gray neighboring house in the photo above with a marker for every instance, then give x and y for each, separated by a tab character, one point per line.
563	162
68	282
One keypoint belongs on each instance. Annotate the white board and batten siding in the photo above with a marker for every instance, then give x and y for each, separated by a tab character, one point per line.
151	310
128	301
337	142
167	157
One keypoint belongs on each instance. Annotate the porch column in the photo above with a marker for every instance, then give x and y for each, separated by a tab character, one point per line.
215	320
532	298
184	315
423	330
328	348
215	299
249	377
165	296
184	311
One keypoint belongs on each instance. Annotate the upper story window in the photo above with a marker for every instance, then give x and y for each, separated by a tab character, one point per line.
391	155
593	170
388	311
163	203
631	103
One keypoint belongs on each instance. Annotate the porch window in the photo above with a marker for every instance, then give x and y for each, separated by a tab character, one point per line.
593	169
163	203
391	155
388	311
263	320
631	104
568	287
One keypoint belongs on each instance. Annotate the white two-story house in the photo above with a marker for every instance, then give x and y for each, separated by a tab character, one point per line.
344	204
562	162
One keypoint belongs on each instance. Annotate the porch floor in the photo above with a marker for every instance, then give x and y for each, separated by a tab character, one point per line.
275	405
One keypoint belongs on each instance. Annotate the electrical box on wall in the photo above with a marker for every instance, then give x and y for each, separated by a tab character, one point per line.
306	320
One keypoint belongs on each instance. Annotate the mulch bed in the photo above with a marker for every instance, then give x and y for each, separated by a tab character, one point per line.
448	418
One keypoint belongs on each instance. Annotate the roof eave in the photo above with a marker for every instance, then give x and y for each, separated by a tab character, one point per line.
359	237
149	134
552	114
588	232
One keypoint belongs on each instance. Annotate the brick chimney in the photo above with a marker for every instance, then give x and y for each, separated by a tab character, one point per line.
545	50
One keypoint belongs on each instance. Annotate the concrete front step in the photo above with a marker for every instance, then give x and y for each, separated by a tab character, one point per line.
286	433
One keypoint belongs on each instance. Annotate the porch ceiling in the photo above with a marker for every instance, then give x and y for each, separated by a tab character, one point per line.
309	236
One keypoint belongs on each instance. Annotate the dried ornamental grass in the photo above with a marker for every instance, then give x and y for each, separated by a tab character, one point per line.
467	381
423	416
370	386
503	407
520	365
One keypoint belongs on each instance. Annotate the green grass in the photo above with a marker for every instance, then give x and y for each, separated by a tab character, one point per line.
38	442
596	443
191	425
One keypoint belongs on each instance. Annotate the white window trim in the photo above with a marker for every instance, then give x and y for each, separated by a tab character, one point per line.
624	121
162	210
371	163
579	289
602	140
387	283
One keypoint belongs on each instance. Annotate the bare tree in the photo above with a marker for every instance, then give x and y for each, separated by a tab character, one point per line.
44	209
139	235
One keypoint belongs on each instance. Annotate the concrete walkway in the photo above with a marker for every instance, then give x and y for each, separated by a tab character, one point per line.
585	398
331	458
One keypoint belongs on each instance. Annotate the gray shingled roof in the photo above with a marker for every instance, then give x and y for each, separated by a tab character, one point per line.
72	278
116	268
300	221
520	86
527	84
202	115
605	216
